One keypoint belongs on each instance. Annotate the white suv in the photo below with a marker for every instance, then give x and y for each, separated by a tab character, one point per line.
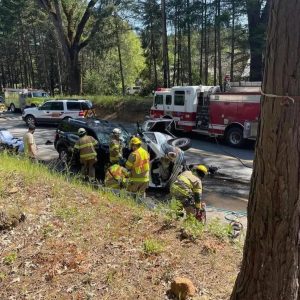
53	111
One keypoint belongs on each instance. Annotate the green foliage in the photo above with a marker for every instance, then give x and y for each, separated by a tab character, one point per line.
192	227
67	213
174	209
10	258
106	80
218	229
153	247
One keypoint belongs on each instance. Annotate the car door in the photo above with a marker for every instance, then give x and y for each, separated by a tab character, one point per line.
44	112
57	112
168	105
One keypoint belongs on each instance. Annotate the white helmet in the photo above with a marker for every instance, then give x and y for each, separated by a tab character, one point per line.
117	131
81	131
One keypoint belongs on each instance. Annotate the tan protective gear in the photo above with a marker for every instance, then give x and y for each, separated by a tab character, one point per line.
115	177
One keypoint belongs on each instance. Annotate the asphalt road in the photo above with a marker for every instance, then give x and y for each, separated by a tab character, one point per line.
228	191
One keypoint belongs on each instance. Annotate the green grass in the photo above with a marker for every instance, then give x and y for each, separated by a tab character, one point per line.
152	247
10	258
193	228
219	229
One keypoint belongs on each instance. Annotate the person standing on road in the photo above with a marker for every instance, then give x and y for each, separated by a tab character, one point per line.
115	147
116	177
138	164
30	149
88	155
187	188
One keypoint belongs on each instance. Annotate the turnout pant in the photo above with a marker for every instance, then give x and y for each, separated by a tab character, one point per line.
88	168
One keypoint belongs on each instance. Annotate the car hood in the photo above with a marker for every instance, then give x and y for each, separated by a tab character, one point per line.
30	110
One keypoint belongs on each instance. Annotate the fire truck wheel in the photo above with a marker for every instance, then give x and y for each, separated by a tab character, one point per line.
234	137
182	143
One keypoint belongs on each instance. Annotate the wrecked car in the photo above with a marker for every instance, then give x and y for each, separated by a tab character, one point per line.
166	151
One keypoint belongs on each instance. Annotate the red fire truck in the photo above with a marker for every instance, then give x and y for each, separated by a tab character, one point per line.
207	110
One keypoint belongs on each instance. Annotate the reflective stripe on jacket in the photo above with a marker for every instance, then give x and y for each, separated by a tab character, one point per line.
115	176
138	164
187	185
86	146
115	151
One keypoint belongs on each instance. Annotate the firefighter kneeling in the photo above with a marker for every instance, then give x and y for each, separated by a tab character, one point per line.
187	188
116	177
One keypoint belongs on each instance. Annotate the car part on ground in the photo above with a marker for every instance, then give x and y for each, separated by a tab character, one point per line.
10	143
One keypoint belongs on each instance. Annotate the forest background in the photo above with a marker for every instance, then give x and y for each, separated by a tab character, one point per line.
102	47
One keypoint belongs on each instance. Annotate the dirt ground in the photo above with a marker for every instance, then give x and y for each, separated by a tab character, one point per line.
76	243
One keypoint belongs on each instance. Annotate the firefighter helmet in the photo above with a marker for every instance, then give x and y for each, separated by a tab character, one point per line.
117	131
201	171
81	131
135	141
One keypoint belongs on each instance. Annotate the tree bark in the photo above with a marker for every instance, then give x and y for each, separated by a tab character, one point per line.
270	266
219	44
257	23
166	72
232	40
189	51
120	56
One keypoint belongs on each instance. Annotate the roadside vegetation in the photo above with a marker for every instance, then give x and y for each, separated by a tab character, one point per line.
110	101
77	242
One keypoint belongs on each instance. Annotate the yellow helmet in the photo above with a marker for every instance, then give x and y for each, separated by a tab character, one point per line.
135	141
202	169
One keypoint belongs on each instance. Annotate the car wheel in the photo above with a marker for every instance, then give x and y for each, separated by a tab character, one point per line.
30	120
63	154
12	108
234	137
182	143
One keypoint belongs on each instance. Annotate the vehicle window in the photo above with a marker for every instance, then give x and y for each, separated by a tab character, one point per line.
159	99
85	106
73	106
151	136
47	106
168	100
39	94
179	98
103	137
65	126
57	106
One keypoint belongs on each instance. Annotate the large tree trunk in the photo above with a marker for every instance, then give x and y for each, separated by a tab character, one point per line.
257	23
165	50
75	72
270	266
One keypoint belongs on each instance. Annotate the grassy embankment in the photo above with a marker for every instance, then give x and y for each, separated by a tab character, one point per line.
79	243
128	108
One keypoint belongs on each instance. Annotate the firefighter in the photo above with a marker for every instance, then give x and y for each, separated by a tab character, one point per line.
138	164
115	147
88	155
116	177
187	188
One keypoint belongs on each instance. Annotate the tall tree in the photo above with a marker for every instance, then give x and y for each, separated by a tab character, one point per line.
165	49
75	35
270	266
257	12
